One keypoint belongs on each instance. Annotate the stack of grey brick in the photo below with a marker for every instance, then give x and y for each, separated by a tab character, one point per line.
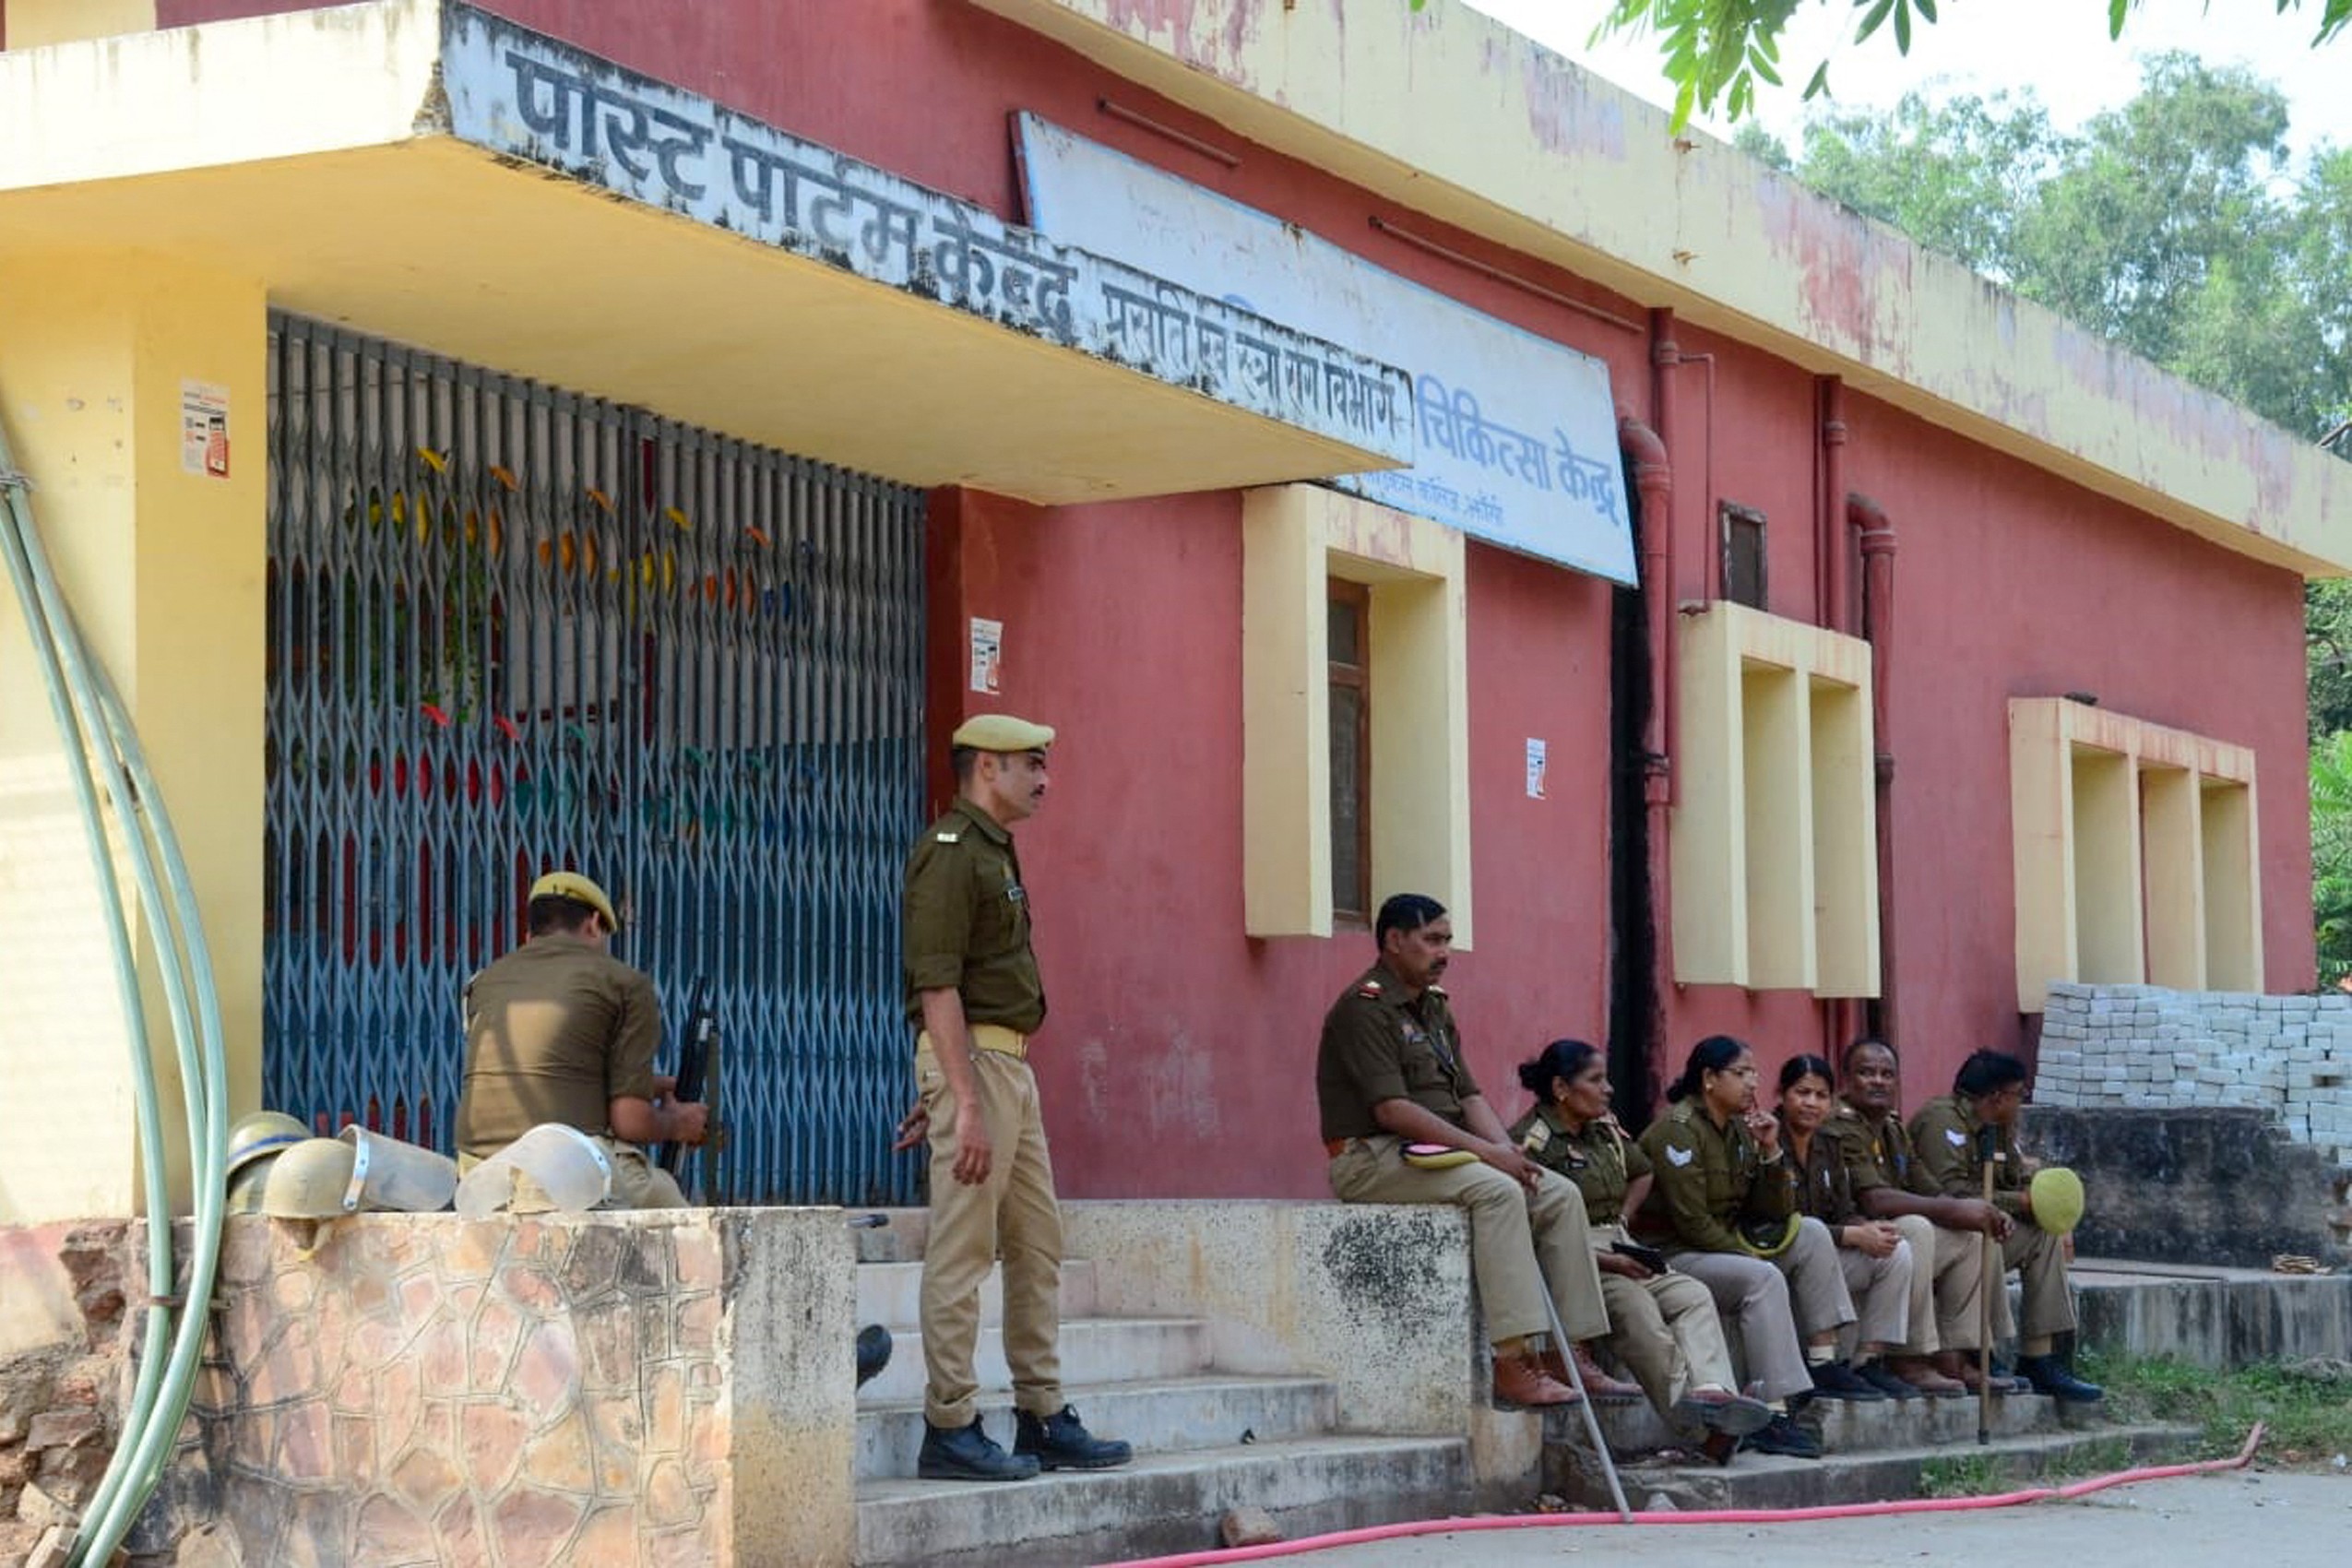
2142	1046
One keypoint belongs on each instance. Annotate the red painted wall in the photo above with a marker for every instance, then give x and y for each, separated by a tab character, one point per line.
1178	1054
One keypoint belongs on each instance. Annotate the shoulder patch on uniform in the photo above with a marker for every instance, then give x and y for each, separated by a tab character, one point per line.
1955	1137
1680	1156
949	837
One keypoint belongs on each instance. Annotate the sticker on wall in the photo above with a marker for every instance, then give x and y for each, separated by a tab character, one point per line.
988	654
1536	759
204	429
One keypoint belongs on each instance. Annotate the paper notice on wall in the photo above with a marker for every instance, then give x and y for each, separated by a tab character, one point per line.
988	654
1536	763
204	429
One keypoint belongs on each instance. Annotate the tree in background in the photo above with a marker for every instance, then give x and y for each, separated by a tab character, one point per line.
2331	854
2174	224
1719	49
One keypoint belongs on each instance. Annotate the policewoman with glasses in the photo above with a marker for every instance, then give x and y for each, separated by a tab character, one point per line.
1724	1211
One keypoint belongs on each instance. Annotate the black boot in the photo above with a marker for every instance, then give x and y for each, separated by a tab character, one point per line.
1783	1435
2054	1377
1062	1443
1836	1380
968	1454
874	1352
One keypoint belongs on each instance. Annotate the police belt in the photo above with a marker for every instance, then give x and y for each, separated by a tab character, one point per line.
988	1037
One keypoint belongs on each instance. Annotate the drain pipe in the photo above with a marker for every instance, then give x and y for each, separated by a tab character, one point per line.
1653	485
1477	1523
101	747
1880	628
1841	1016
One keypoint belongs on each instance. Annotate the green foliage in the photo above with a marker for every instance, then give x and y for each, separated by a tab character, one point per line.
1719	50
2331	851
1970	1473
2306	1408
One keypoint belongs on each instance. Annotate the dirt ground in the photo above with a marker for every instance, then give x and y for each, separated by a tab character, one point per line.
2274	1518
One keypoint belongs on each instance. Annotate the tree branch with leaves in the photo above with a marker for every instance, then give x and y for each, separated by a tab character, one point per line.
1719	51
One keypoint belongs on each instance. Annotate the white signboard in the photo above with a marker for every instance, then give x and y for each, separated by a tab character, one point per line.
1516	435
525	96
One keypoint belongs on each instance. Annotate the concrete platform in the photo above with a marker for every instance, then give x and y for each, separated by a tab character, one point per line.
1767	1481
891	1293
2214	1317
1845	1428
1164	1502
1098	1349
1163	1416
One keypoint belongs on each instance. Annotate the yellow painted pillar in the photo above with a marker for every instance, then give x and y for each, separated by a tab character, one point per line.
103	360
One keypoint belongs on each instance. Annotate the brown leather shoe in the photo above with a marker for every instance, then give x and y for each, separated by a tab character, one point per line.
1921	1373
1519	1381
1600	1387
1962	1370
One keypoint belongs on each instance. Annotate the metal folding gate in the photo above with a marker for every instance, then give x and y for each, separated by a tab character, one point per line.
513	629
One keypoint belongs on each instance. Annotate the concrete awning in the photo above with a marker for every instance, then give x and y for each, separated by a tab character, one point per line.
432	174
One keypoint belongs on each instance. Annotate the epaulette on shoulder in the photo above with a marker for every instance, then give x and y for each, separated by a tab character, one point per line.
1682	1113
1436	990
954	837
1370	988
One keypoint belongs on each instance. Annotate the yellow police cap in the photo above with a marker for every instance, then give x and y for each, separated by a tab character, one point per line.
1002	732
571	885
2057	1199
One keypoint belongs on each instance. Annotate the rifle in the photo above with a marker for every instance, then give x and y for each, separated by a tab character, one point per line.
697	1078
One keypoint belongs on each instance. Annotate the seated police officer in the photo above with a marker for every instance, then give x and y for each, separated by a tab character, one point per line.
560	1030
1950	1135
1389	1074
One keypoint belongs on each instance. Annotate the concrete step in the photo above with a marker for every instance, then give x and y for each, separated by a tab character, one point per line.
2214	1317
891	1293
899	1240
1769	1481
1159	1416
1845	1428
1162	1503
1094	1349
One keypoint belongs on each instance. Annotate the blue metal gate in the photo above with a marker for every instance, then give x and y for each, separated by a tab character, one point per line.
513	629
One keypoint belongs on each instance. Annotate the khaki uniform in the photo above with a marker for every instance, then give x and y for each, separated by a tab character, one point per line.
1664	1328
555	1031
1948	1272
1378	1046
1708	1180
966	927
1889	1293
1944	1134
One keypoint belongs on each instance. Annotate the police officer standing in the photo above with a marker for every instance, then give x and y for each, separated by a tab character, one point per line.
974	995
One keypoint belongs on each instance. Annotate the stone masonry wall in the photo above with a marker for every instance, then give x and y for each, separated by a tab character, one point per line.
2145	1047
507	1391
394	1391
65	1366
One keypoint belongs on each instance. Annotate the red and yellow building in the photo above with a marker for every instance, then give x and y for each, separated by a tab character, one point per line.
480	442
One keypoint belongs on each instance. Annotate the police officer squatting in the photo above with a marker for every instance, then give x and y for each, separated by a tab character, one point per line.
1851	1250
